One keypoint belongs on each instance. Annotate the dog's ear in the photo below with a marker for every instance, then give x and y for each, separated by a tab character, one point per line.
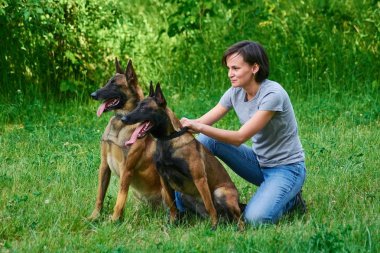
159	96
130	73
118	67
151	89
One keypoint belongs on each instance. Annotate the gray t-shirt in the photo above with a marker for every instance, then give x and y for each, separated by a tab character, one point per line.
278	142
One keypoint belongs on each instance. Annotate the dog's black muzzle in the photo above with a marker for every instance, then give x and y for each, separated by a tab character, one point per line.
130	119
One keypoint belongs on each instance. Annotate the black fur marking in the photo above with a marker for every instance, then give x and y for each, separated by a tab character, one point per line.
222	208
175	134
112	91
174	171
144	112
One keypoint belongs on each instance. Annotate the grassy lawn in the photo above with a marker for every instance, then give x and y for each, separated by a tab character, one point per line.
49	156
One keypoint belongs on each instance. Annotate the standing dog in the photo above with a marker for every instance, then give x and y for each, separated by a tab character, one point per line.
132	163
183	163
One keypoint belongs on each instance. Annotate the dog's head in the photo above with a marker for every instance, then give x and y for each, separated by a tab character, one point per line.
151	111
121	92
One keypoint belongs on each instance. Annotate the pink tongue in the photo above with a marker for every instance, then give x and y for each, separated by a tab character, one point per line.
101	109
134	135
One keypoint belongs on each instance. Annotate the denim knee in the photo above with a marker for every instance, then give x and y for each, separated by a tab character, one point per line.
257	218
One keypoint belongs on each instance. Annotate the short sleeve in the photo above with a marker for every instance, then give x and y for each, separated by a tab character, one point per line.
226	99
273	101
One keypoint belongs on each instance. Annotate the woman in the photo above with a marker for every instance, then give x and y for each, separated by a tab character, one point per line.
275	162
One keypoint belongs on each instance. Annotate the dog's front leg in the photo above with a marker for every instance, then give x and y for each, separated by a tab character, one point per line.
204	191
103	182
125	181
168	196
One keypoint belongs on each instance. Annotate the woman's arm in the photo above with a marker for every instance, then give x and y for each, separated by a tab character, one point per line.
250	128
213	115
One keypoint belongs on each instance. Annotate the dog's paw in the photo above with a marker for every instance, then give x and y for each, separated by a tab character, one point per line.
116	218
241	226
172	221
94	216
214	227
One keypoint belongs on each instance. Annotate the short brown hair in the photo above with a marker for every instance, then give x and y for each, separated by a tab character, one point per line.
252	52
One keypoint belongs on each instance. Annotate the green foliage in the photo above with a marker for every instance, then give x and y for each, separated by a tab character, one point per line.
54	46
67	47
313	46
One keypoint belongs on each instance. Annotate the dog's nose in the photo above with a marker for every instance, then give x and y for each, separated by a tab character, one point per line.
125	119
94	95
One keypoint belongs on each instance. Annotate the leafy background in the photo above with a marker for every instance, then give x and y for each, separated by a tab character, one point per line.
65	48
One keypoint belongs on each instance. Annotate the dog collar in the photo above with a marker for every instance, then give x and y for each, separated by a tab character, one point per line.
174	135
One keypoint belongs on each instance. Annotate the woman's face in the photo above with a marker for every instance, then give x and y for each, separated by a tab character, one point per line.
240	73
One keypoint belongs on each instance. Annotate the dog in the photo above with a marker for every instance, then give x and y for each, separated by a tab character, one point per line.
133	164
183	163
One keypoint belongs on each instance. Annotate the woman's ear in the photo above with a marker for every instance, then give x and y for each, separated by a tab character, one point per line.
255	69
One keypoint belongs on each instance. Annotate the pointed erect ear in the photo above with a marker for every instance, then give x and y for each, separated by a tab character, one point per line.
151	91
118	68
159	96
130	73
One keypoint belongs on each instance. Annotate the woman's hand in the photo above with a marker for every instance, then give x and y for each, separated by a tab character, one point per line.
193	124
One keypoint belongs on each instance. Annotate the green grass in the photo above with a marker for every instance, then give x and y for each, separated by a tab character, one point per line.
48	177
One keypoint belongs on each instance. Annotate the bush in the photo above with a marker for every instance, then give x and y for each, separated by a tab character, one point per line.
54	46
67	47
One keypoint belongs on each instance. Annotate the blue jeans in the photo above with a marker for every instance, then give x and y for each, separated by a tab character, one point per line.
278	186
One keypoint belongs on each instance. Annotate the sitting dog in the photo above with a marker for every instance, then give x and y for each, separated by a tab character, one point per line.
183	163
132	163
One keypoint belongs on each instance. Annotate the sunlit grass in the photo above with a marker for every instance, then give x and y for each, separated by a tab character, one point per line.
48	179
